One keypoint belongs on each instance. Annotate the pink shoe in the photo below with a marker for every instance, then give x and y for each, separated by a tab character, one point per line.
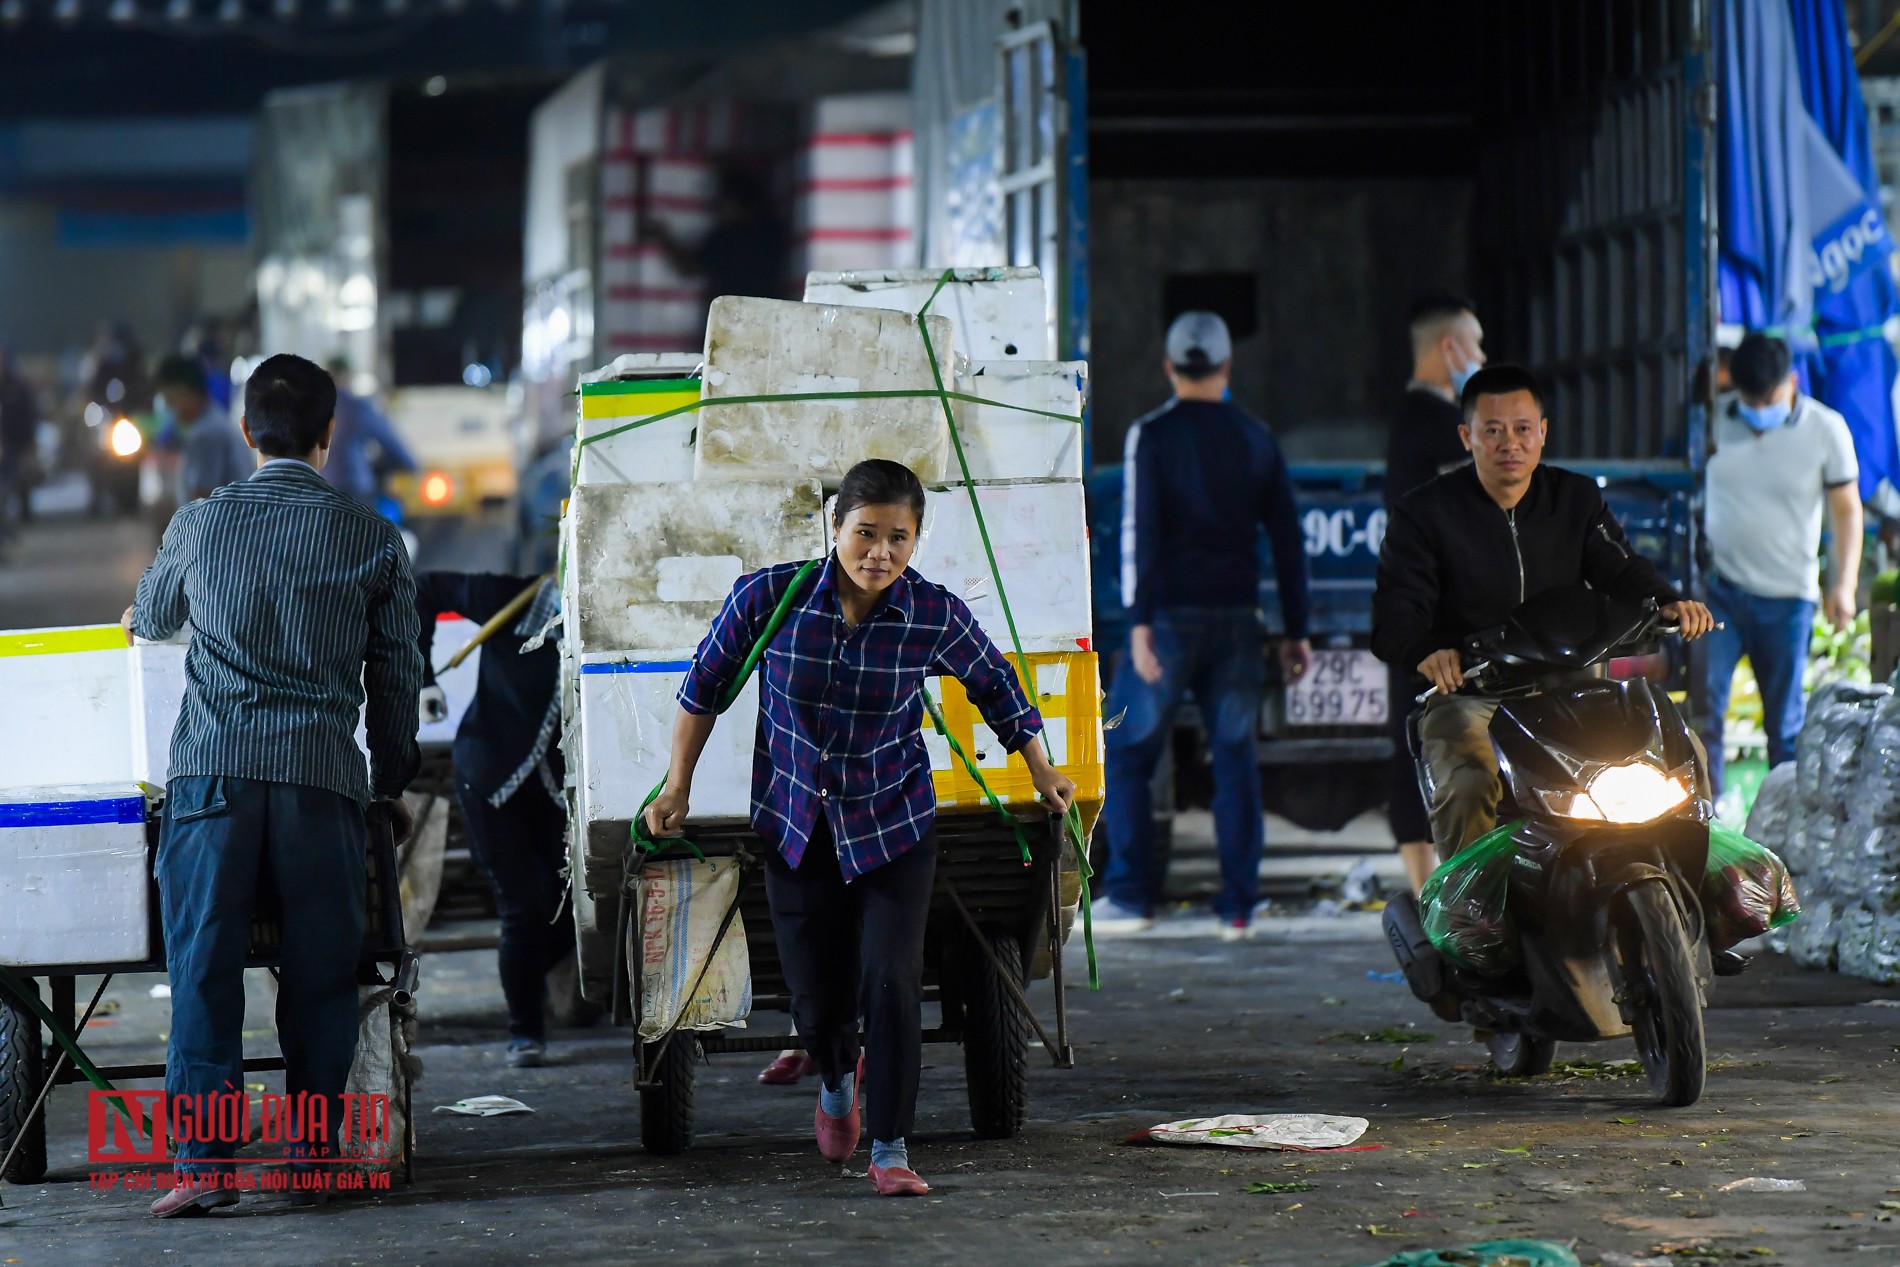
838	1136
895	1181
788	1070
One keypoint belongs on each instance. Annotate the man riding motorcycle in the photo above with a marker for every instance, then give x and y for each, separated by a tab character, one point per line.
1463	551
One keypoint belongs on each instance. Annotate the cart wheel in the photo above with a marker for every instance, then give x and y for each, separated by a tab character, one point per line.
995	1042
666	1111
22	1071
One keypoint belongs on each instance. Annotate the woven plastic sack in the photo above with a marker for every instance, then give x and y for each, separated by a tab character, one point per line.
1816	934
1876	794
380	1074
1464	905
1854	949
1773	817
686	981
1745	889
1827	752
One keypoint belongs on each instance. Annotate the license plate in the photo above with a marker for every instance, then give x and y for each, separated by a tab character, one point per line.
1342	688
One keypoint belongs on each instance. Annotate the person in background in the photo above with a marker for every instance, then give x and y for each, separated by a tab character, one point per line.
508	774
367	446
19	435
745	252
303	615
1447	349
1783	462
1199	476
212	452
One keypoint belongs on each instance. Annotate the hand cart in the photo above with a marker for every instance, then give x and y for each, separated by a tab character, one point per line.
29	1072
995	923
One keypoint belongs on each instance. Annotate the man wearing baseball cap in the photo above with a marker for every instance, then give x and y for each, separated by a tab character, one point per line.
1198	475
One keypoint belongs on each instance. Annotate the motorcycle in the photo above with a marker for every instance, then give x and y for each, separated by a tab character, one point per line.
1614	799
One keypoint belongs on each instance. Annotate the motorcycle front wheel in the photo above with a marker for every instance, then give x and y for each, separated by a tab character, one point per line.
1659	969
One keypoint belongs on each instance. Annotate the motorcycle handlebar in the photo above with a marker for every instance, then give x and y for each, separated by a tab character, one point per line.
1482	665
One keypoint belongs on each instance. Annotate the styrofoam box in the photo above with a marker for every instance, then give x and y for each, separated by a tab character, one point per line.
68	716
73	875
758	347
650	564
654	453
1009	444
1040	534
458	684
996	313
644	365
627	712
158	693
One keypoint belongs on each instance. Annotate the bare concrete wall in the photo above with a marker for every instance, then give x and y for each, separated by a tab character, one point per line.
1337	264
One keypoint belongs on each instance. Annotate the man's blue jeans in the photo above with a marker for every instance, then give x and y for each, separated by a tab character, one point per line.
1774	634
1215	652
217	839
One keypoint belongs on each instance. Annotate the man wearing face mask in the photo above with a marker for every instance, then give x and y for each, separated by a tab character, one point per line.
1780	459
1447	349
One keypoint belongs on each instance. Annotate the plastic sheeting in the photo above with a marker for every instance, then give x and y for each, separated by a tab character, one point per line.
1464	907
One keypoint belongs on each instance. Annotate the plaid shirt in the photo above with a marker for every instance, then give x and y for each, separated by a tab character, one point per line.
841	710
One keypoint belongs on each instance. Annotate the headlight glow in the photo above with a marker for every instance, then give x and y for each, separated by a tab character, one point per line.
124	438
437	488
1635	793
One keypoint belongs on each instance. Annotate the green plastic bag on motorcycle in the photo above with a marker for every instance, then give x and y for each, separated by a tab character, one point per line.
1463	906
1746	889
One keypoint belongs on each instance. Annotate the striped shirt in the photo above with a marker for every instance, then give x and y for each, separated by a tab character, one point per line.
300	600
841	709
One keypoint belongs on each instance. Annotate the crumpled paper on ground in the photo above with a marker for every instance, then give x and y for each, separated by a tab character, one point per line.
484	1106
1301	1131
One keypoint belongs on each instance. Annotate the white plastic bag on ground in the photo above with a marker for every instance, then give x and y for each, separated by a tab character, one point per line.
1299	1131
682	905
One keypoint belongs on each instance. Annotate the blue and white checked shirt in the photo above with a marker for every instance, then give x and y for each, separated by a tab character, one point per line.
300	601
841	709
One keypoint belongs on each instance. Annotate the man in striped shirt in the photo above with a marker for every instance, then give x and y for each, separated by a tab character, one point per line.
301	602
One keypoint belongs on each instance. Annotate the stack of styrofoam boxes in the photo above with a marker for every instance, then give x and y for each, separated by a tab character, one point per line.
1027	472
73	875
852	206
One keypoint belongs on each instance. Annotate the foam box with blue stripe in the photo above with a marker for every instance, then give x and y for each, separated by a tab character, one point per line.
74	875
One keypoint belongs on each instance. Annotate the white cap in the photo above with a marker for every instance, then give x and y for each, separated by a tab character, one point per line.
1199	341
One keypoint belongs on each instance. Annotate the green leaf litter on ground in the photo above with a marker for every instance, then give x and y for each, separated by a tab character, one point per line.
1595	1069
1270	1189
1395	1034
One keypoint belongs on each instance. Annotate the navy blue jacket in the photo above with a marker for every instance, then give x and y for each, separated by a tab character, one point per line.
1197	477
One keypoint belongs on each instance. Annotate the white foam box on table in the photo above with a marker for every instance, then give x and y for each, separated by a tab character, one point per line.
1004	443
627	709
1040	534
458	684
649	565
158	693
995	313
68	706
659	452
757	347
74	875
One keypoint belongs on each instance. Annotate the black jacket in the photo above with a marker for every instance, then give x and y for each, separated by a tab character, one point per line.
1455	562
1423	441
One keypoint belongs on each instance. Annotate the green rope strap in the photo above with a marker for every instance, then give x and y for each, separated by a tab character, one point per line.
71	1043
637	829
1073	818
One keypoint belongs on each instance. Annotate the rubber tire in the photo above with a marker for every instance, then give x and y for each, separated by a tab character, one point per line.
1521	1056
22	1073
1667	1019
996	1040
666	1112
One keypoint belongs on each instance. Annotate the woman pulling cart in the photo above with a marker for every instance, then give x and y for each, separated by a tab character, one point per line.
841	791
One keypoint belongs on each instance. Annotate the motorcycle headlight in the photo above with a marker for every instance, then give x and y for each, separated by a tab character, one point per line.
1635	793
125	438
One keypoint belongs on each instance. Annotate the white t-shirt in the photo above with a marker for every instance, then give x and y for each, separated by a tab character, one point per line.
1767	492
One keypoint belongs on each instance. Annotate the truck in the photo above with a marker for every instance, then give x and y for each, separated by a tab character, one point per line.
1553	162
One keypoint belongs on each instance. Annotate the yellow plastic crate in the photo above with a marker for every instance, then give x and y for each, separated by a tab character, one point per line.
1068	691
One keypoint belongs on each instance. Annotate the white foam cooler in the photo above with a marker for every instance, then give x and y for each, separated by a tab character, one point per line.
627	710
648	565
74	875
68	695
1040	536
760	347
1003	443
995	313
